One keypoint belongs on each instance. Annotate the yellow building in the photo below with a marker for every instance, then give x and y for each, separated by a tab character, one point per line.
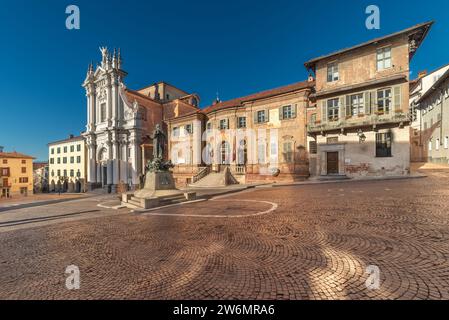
16	174
67	165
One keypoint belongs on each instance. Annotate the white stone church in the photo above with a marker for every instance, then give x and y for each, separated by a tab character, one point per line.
120	122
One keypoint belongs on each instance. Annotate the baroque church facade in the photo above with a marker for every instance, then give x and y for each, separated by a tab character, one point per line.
120	122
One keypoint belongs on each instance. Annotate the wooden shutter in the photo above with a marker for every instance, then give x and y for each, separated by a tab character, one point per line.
255	116
227	123
342	107
294	110
367	102
323	111
348	106
397	98
374	101
267	115
281	113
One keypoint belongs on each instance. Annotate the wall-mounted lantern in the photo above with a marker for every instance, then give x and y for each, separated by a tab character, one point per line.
361	136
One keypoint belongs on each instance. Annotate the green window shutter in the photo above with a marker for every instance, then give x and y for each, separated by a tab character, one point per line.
323	111
281	113
342	107
348	105
267	115
294	110
367	102
397	98
374	101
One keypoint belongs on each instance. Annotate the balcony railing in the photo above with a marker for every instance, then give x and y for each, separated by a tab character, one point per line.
360	121
240	169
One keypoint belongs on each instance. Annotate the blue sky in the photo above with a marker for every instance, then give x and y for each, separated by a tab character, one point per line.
233	47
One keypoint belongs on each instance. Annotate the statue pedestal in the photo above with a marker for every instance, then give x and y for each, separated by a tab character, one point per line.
157	181
159	190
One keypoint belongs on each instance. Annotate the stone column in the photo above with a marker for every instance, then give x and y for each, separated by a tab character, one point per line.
115	164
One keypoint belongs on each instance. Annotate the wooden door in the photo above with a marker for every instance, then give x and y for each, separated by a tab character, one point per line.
332	163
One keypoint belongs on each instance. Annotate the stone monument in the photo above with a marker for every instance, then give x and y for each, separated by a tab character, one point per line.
158	182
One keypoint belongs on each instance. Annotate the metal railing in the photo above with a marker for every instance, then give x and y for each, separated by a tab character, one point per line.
357	121
201	174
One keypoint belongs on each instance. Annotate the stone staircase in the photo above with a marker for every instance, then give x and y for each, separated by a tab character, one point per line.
216	179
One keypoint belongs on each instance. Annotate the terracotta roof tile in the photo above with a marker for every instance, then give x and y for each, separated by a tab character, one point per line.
15	155
260	95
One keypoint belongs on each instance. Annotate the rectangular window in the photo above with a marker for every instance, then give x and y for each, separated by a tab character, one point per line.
52	150
5	161
288	152
287	112
52	161
224	124
78	147
24	169
313	148
72	148
241	123
332	109
5	172
72	172
78	159
261	117
209	126
65	173
64	160
189	128
357	104
24	161
59	150
430	145
72	159
332	72
437	144
78	174
59	173
383	145
383	101
383	58
23	180
175	132
103	112
65	149
59	161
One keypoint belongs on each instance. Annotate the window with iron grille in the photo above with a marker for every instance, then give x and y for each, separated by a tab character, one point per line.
313	148
383	144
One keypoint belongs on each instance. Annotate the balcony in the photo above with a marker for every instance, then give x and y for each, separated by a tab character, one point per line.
372	120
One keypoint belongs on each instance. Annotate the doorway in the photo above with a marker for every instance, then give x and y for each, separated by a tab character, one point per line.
104	175
332	163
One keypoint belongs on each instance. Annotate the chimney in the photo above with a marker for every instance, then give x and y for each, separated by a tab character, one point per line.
1	148
71	136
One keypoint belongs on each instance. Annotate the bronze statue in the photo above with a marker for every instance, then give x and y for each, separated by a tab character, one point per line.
158	142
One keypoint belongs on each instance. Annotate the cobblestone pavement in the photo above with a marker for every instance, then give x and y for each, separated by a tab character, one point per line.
315	245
